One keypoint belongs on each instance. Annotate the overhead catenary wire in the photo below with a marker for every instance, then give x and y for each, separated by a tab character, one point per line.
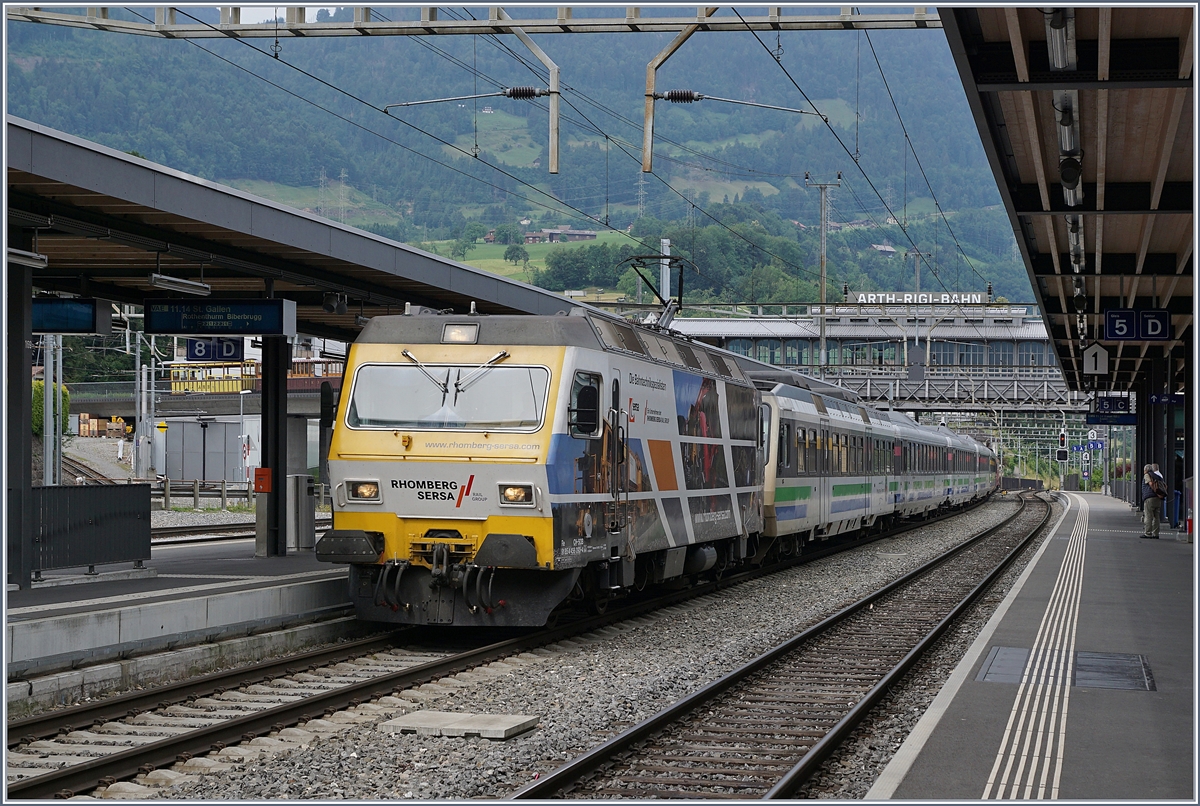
555	203
840	142
921	257
539	70
916	157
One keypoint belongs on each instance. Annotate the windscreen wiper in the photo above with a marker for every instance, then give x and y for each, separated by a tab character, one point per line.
439	384
461	384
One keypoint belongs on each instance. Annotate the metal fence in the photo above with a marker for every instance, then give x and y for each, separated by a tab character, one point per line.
78	526
112	390
1123	490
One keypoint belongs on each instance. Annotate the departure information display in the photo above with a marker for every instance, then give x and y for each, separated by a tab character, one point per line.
221	317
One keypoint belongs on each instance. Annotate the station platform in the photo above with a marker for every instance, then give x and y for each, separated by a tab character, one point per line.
1081	686
188	594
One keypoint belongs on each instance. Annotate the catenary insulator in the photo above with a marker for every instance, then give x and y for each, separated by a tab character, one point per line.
682	96
525	92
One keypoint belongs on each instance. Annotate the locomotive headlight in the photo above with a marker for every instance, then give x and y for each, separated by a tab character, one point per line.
460	333
516	494
363	490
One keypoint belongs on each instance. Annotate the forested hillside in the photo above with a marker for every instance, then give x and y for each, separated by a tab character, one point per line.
728	187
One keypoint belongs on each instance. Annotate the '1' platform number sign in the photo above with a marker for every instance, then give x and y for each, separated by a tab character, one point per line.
1095	360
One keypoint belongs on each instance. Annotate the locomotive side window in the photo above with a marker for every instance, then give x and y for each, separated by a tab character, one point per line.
584	413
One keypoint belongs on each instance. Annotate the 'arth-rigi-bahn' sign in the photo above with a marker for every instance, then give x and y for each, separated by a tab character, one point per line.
923	298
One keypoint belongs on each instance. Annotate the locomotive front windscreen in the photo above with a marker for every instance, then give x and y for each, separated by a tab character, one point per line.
441	397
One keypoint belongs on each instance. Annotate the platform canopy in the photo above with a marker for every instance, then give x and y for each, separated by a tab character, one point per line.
1086	116
106	221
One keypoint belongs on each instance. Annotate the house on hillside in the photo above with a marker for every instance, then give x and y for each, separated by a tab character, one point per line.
490	237
559	235
534	237
884	249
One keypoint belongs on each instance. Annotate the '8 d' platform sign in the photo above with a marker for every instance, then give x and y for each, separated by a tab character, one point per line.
1129	324
215	350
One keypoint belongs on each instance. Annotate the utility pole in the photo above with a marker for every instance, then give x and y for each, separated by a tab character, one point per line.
664	268
918	254
824	186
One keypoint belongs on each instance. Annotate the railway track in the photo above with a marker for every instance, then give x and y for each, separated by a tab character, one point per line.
77	749
764	729
216	531
76	469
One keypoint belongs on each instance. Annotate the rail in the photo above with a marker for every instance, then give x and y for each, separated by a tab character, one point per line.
887	617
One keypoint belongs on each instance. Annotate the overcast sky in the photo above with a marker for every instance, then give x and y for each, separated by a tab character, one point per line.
251	14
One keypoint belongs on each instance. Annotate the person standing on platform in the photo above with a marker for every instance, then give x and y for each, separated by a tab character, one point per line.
1154	490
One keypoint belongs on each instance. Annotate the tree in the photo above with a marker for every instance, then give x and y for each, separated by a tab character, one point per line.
465	242
509	233
516	254
37	412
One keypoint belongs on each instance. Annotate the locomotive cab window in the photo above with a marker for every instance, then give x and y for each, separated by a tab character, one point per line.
584	413
448	397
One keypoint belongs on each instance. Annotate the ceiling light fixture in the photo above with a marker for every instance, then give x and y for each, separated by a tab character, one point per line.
169	283
329	302
1060	38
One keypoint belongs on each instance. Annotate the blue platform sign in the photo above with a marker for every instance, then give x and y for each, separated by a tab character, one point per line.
1112	419
1154	325
221	317
1120	324
1167	400
215	350
1096	445
1129	324
1106	404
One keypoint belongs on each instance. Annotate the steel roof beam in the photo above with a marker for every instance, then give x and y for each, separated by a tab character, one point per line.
1120	198
430	24
1115	263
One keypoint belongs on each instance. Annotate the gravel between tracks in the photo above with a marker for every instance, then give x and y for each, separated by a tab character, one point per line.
600	687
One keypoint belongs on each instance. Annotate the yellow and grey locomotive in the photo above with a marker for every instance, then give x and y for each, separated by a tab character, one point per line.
487	469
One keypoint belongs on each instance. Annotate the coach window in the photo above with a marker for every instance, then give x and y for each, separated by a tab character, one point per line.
584	414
